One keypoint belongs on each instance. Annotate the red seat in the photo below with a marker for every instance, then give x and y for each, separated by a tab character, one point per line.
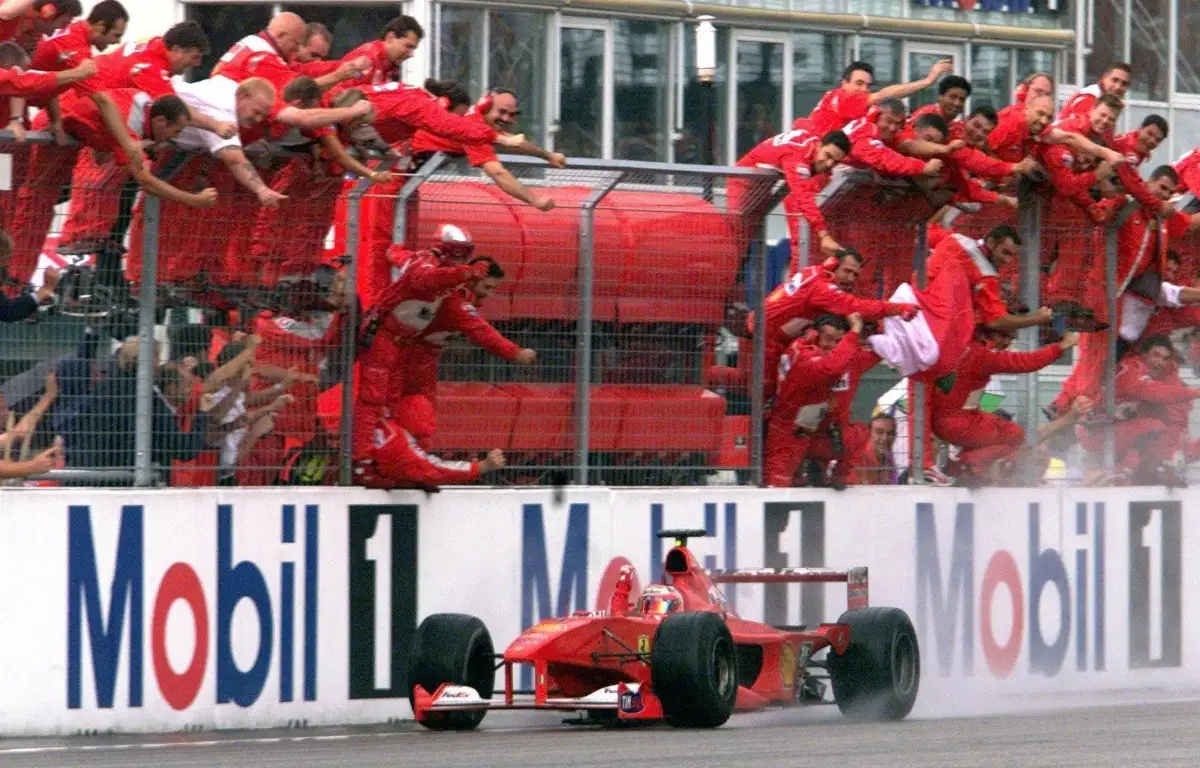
606	412
672	418
546	285
545	418
684	258
473	416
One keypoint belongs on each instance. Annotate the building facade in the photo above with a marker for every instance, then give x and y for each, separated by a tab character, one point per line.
618	79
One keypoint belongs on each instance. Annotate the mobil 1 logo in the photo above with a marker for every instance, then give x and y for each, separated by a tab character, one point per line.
793	537
383	598
1155	584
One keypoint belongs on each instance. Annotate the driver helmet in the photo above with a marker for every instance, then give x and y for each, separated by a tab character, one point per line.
453	243
658	599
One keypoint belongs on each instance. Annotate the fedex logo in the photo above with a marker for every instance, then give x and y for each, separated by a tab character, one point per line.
211	607
957	583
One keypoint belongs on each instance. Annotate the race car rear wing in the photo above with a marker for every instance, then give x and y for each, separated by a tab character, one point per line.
855	579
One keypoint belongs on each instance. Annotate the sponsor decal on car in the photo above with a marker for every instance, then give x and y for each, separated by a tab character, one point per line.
631	702
787	665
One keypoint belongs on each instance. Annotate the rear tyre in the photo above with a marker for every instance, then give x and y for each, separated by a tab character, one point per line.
693	670
457	649
878	676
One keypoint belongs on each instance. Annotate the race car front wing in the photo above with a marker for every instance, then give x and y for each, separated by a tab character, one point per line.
626	700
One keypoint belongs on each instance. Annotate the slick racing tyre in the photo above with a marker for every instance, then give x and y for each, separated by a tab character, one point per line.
452	648
693	670
878	675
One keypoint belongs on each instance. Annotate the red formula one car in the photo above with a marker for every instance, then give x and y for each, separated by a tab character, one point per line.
677	654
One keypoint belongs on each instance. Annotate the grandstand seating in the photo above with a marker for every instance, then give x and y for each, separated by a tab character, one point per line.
660	257
477	416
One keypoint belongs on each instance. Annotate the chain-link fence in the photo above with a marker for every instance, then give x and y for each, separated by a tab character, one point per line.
619	350
632	292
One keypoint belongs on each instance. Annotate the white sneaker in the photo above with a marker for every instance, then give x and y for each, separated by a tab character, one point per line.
937	479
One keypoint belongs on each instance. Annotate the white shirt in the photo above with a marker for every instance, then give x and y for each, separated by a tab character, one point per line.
1136	310
215	97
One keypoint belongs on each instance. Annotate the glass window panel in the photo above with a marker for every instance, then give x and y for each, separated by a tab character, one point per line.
883	53
817	62
1188	58
990	76
1108	41
641	90
460	47
517	61
1149	38
919	63
705	105
1184	130
225	25
759	92
581	93
351	25
1030	61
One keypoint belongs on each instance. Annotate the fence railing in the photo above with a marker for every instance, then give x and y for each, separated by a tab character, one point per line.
633	291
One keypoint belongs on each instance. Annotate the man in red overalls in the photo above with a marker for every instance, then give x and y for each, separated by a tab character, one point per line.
458	315
399	458
807	375
817	290
986	438
404	310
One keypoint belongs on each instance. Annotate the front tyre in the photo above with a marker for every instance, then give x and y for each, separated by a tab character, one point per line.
457	649
693	670
878	676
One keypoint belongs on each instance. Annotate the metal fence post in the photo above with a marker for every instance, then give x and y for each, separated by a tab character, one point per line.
143	474
802	247
583	343
1030	224
916	466
350	332
1112	292
400	222
1110	360
759	372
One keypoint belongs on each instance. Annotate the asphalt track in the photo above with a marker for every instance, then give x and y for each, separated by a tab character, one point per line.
1032	734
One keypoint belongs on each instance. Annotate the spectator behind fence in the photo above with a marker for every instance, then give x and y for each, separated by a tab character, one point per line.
25	305
44	462
873	463
240	418
103	435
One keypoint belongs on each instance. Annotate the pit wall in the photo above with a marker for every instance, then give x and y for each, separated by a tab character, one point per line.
163	610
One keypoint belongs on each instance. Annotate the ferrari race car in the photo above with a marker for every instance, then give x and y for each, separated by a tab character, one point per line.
677	654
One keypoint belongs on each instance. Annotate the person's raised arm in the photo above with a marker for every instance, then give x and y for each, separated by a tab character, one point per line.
159	188
244	171
116	126
1081	144
1043	316
514	188
904	90
338	154
322	116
